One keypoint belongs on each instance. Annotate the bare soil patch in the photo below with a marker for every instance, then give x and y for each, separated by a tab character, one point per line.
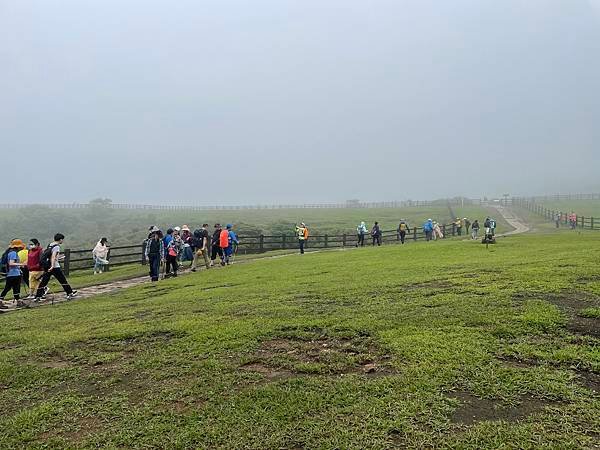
571	303
473	409
317	352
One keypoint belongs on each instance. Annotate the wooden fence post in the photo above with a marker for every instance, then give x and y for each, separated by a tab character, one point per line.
144	254
592	223
283	241
415	234
582	222
261	244
444	231
67	261
326	240
344	240
453	229
107	266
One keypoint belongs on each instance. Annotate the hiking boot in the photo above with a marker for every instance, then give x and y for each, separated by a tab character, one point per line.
71	296
193	269
3	306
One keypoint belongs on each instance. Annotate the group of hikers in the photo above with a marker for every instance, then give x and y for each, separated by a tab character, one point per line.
180	244
33	266
431	230
571	218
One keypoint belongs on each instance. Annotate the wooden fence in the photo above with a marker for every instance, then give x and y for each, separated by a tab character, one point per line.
75	260
582	222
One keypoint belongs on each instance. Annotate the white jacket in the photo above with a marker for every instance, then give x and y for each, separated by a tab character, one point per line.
100	251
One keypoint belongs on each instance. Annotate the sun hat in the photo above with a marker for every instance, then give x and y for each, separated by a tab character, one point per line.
229	226
17	243
185	228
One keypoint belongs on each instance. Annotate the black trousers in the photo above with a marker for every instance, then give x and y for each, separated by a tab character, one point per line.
25	272
60	277
13	283
402	236
172	264
216	250
361	240
377	239
301	243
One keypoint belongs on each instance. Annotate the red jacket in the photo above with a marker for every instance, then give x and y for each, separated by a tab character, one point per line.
224	239
33	259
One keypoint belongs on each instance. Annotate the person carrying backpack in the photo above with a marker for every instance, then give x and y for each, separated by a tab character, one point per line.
428	230
33	264
22	254
475	229
50	263
232	243
216	246
188	244
361	230
10	260
302	233
403	228
154	252
376	234
458	226
173	249
200	242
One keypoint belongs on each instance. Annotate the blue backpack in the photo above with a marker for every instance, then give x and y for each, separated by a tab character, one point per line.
4	261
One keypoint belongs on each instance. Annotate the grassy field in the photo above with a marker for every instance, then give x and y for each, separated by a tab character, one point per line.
586	208
83	227
441	345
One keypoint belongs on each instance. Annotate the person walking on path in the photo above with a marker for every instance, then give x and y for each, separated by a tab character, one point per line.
403	228
437	231
302	233
22	254
200	240
458	226
361	230
100	255
188	245
475	229
232	243
50	262
376	234
173	249
33	264
557	220
216	246
13	272
428	230
467	224
155	252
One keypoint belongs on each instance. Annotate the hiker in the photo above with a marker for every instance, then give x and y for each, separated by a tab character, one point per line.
573	220
23	254
216	247
188	248
403	228
475	229
467	225
437	231
361	230
13	272
173	250
232	243
33	264
428	229
155	252
302	233
100	255
200	242
458	225
557	220
50	263
376	234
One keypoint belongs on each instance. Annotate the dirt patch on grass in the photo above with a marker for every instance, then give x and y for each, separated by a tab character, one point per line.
432	284
85	427
473	409
316	351
571	303
590	380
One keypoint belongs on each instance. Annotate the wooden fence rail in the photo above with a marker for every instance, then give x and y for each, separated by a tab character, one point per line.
582	222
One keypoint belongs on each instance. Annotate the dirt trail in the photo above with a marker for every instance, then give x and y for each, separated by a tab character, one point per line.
517	223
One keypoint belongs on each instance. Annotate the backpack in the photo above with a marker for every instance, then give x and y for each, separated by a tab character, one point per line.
4	261
402	226
197	239
46	258
224	239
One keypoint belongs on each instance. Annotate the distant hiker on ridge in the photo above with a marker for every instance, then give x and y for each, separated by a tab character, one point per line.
403	228
302	233
376	234
361	230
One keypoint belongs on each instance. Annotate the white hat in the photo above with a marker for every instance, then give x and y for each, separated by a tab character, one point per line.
177	229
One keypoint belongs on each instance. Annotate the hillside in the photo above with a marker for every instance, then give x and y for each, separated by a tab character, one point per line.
445	345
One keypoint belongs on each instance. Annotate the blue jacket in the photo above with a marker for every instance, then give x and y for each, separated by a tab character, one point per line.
166	240
428	226
232	238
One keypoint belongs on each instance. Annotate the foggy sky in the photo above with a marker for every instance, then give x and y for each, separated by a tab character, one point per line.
237	101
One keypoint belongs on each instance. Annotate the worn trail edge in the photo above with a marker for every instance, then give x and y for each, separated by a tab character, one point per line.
107	288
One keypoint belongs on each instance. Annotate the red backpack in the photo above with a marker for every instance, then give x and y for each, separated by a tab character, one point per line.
224	239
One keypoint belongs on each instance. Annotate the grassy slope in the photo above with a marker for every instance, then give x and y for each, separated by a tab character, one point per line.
586	208
161	365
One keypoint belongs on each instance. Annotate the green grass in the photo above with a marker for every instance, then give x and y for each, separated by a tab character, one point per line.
370	348
586	208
